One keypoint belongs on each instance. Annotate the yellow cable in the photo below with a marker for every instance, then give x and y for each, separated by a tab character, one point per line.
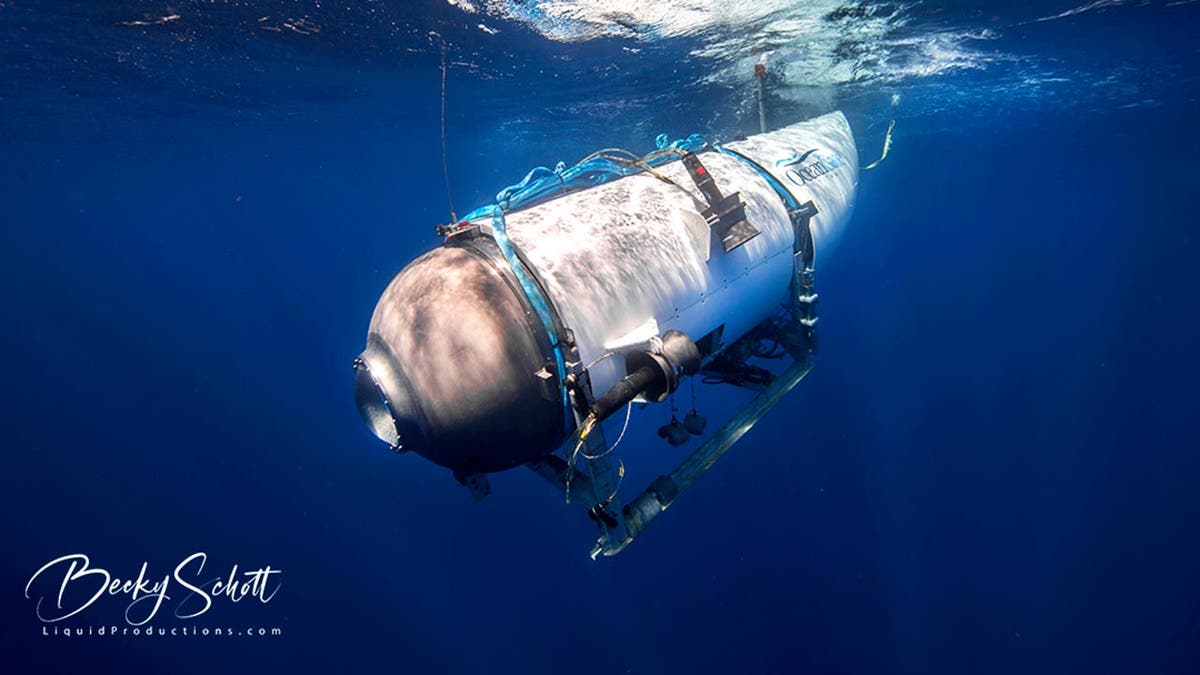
586	427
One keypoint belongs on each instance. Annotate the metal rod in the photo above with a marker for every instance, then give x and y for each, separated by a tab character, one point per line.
762	113
706	455
662	493
760	74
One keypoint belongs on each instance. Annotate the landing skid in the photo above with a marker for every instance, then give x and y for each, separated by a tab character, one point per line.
587	474
594	486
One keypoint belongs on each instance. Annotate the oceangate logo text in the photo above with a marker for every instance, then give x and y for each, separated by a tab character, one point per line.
821	165
67	586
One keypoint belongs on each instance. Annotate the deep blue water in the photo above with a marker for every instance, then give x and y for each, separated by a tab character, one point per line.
993	469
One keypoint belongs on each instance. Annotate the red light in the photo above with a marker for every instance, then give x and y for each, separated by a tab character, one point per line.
699	171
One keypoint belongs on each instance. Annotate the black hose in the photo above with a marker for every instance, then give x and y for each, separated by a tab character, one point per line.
625	391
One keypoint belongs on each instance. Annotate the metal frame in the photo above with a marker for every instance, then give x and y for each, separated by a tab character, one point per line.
595	484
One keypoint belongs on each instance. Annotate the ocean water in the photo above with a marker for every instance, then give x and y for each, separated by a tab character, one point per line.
993	468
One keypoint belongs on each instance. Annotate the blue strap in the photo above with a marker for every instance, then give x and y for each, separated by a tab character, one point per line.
543	182
534	293
788	200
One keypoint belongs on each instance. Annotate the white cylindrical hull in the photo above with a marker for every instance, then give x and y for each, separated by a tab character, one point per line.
460	348
619	255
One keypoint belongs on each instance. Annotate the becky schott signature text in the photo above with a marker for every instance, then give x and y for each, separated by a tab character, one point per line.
146	594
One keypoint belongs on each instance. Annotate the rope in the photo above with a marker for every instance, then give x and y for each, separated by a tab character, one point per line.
887	145
445	166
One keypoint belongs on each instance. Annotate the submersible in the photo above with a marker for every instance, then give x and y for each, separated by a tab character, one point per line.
585	289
